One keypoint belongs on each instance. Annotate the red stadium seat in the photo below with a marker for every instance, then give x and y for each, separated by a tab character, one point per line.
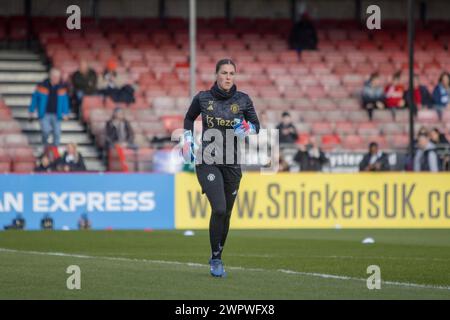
330	140
321	128
367	128
427	116
345	128
23	167
303	138
352	142
398	141
311	116
5	166
22	155
323	104
172	123
335	115
393	128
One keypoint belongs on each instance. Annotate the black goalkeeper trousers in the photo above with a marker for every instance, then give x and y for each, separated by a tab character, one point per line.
221	184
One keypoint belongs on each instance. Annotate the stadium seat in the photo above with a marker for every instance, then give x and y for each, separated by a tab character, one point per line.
330	140
427	116
5	166
367	128
353	142
23	167
345	128
322	128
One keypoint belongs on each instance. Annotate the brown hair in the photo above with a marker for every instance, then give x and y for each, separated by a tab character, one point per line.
224	61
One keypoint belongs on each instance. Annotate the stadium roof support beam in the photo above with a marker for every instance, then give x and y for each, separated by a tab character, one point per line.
293	5
94	10
192	47
27	14
162	11
358	10
410	97
227	8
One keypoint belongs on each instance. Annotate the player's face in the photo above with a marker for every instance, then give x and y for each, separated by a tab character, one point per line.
376	82
225	77
434	135
423	142
55	76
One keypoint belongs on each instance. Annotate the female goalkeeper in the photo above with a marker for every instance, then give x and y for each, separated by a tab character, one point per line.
225	111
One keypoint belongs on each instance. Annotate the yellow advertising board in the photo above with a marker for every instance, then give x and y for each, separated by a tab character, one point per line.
319	200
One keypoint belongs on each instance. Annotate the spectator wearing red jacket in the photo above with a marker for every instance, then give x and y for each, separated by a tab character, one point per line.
394	93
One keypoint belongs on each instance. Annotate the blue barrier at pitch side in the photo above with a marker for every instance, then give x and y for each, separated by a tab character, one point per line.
117	201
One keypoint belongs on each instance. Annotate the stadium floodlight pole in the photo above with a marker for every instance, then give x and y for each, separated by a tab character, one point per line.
410	97
192	45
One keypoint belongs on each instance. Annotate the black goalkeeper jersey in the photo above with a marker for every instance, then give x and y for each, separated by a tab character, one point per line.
219	109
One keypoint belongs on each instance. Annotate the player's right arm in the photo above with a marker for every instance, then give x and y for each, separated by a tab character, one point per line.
193	112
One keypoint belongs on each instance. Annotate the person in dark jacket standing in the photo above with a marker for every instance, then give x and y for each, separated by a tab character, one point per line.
84	83
52	103
375	160
224	111
303	35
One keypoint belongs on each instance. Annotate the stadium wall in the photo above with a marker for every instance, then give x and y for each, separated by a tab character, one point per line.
112	201
319	9
303	200
281	201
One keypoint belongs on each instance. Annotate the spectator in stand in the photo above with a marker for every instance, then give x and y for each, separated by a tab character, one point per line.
52	103
441	94
287	131
422	131
119	131
310	157
114	85
425	158
437	137
44	165
443	147
71	160
422	97
394	93
84	82
373	95
303	35
283	166
375	160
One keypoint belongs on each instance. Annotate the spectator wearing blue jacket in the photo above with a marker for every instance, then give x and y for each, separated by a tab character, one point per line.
52	103
441	94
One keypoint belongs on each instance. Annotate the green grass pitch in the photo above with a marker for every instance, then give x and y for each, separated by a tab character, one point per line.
261	264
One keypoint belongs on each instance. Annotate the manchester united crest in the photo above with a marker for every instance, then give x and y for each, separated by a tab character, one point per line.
234	108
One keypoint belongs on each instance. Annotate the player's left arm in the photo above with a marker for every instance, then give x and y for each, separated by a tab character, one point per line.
251	116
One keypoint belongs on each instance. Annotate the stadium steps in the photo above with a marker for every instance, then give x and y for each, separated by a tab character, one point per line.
20	71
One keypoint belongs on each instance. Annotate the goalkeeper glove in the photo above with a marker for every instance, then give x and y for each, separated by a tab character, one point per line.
189	147
243	128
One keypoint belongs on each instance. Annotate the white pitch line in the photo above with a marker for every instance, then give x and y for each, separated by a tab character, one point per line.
340	257
193	264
